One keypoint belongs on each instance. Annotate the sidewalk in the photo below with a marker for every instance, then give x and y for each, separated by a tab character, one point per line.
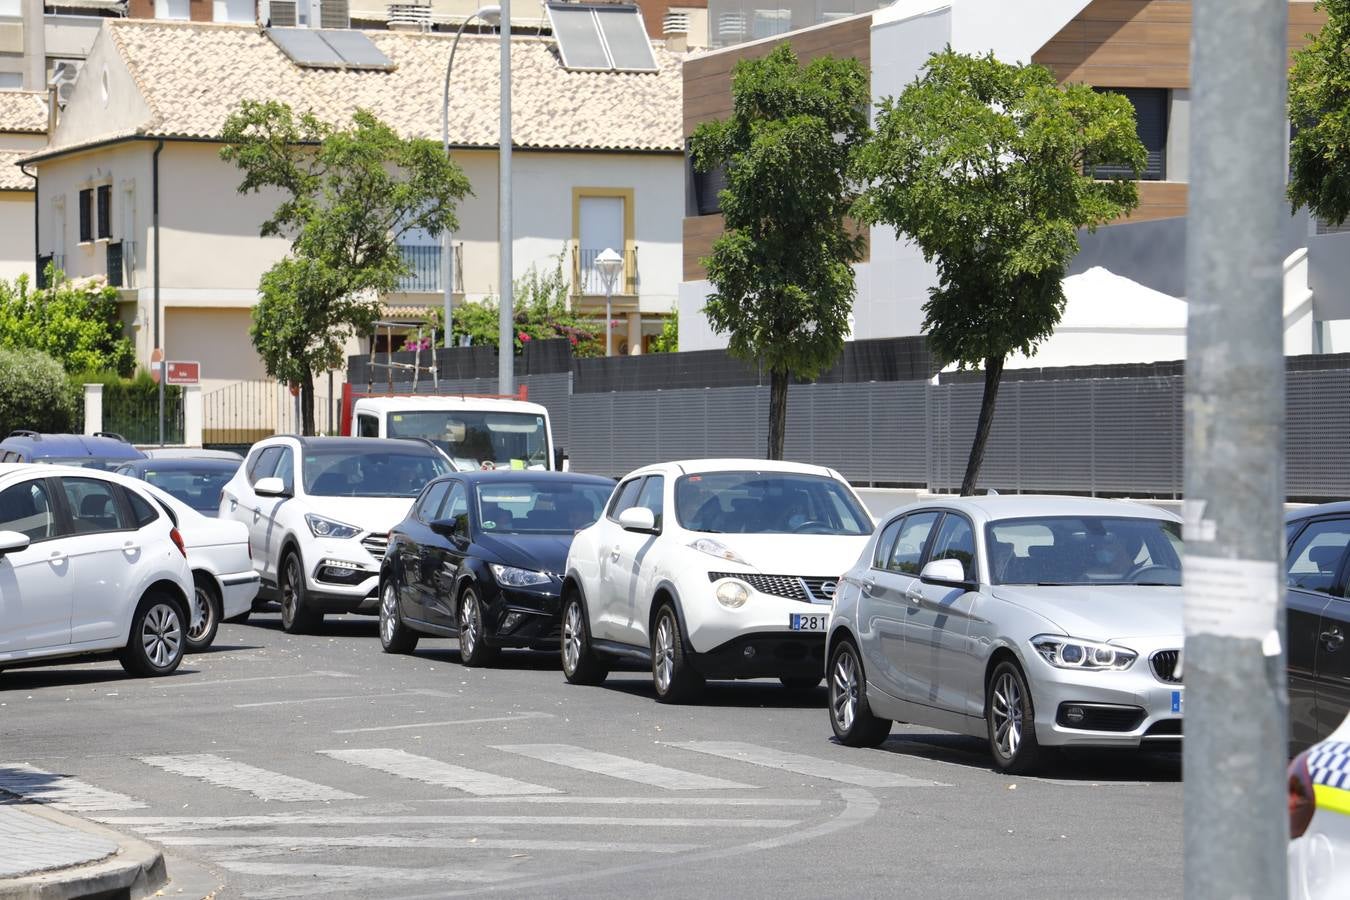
48	854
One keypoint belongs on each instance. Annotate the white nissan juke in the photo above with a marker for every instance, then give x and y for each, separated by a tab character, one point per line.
711	569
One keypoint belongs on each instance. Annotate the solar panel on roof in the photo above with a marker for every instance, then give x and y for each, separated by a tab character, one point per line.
578	37
630	50
305	47
356	50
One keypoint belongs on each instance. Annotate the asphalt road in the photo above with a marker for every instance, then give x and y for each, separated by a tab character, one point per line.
318	766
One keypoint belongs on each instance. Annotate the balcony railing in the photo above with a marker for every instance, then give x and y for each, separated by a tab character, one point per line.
424	263
586	278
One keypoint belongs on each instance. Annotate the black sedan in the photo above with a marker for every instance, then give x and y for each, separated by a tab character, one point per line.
479	557
1317	575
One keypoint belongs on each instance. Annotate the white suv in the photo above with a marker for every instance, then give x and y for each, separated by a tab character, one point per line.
711	569
319	510
89	566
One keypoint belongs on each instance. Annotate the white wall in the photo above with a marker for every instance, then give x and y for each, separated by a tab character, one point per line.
16	225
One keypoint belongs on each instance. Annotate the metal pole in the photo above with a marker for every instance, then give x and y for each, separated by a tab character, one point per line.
506	356
1236	830
154	207
609	316
330	402
447	237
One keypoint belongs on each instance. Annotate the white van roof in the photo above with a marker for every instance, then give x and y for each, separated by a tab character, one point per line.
446	403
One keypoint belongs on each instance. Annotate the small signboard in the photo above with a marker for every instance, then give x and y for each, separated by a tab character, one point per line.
184	372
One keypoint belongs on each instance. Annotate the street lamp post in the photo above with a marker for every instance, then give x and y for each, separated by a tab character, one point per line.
490	15
506	338
609	263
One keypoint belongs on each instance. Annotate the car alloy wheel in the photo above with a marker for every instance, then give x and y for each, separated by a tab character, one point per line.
1006	711
663	655
844	691
388	612
571	639
161	634
851	717
470	624
202	614
290	593
395	635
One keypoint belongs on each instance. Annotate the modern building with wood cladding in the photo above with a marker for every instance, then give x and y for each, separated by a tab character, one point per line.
1140	48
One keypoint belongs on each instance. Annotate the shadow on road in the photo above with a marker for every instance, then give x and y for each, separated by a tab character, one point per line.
749	694
1081	765
48	676
333	626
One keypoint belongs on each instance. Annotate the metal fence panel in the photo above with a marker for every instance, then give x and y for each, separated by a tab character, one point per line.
592	433
1318	433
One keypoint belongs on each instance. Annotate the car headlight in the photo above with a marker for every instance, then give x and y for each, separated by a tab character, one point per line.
327	528
717	549
1072	653
510	576
732	594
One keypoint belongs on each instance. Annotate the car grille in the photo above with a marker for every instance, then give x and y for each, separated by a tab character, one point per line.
1164	664
1100	717
376	544
792	587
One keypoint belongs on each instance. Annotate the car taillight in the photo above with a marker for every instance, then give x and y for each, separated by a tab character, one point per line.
178	541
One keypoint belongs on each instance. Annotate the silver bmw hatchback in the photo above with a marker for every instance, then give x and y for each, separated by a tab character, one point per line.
1034	622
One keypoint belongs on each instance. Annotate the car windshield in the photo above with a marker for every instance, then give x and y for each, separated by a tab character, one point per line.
197	486
536	507
1084	550
768	503
479	440
352	472
85	462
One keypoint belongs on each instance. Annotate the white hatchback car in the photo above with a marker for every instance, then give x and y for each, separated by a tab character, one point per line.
319	511
711	569
89	567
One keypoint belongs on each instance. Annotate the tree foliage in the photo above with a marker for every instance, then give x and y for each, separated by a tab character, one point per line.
348	193
987	167
668	341
782	272
75	323
1319	108
34	392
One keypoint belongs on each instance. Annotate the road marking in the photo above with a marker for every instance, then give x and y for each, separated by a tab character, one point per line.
183	681
326	699
61	791
239	776
200	823
804	765
471	842
433	771
636	801
340	879
518	716
621	767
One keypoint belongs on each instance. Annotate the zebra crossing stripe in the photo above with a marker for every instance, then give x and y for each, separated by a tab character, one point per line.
61	791
804	765
270	844
179	824
621	767
433	771
261	783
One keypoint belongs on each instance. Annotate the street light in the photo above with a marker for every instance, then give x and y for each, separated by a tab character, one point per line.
608	263
490	15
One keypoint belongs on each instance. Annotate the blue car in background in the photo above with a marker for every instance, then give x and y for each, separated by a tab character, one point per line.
104	450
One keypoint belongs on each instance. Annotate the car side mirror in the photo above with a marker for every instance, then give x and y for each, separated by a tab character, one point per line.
947	572
638	518
271	486
13	542
455	529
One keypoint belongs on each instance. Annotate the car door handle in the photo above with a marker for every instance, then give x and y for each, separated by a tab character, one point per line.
914	596
57	558
131	547
1333	639
257	513
614	555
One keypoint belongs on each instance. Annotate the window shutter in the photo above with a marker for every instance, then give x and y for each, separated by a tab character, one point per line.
334	14
105	211
86	215
706	187
282	13
1150	116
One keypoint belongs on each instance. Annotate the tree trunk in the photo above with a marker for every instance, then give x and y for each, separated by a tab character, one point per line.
307	405
993	375
778	385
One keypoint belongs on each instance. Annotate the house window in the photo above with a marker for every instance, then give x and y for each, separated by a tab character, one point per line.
86	215
104	211
602	224
233	11
1150	117
703	190
11	8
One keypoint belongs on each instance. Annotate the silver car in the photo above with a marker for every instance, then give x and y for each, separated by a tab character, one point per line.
1036	622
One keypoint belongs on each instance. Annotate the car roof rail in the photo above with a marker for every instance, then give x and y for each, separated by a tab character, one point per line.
25	432
110	434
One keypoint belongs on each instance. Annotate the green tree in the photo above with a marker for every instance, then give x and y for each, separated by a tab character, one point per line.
782	272
348	194
1319	107
74	323
35	393
668	341
987	167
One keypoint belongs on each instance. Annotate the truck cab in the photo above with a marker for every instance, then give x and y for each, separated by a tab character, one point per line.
474	432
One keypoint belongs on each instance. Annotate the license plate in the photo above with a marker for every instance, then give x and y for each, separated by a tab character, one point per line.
808	621
1177	699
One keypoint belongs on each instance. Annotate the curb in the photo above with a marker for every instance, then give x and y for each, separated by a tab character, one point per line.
135	870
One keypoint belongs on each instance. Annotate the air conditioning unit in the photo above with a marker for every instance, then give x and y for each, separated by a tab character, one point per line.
334	14
675	22
283	13
410	15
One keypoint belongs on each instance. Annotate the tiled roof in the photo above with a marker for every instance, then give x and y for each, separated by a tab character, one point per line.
23	111
192	76
11	176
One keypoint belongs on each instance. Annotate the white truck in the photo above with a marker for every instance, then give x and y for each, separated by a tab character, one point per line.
474	432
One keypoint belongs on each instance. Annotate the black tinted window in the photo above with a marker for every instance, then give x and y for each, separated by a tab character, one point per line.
909	543
624	497
884	544
94	506
430	504
141	509
1314	559
264	465
956	540
26	508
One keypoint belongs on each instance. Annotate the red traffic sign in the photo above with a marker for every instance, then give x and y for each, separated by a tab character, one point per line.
184	372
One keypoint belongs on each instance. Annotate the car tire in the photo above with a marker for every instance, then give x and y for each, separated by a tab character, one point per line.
1010	718
158	636
851	715
673	676
580	665
800	682
473	646
395	637
206	605
296	616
